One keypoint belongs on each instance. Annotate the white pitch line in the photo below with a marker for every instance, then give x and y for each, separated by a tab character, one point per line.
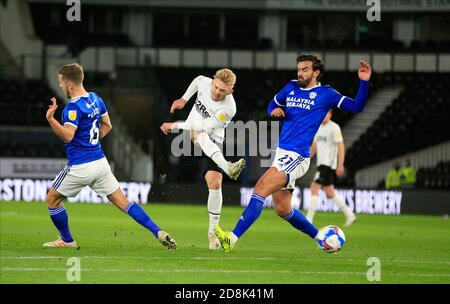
146	270
220	258
230	271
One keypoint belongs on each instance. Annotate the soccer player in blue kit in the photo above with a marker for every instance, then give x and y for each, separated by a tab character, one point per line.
302	104
85	121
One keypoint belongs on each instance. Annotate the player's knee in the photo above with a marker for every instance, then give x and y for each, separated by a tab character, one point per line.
282	210
315	188
201	137
214	183
282	207
52	201
329	194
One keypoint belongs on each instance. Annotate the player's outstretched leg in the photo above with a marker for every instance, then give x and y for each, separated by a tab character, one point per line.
282	201
233	170
60	219
140	216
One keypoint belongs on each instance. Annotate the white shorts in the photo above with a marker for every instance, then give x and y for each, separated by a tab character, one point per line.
97	175
293	164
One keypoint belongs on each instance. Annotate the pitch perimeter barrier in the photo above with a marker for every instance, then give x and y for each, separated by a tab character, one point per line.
361	201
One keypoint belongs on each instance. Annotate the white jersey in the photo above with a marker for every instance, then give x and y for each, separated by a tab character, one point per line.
204	107
326	139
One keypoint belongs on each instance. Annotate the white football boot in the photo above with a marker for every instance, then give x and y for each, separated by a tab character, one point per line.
214	243
350	220
166	240
235	169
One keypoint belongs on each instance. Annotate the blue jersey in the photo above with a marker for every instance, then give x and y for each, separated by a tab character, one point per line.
305	110
84	114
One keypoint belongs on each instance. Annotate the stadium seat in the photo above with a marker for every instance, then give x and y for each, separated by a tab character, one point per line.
415	120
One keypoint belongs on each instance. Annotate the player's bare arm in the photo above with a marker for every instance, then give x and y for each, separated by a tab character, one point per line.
105	125
167	127
65	132
178	104
341	157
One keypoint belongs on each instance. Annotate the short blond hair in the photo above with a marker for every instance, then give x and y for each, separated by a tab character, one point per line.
227	76
72	72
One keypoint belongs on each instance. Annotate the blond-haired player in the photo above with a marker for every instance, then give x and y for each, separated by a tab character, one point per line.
213	109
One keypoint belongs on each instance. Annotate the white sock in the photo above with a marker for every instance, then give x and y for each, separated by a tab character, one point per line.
214	208
312	207
342	206
212	151
234	238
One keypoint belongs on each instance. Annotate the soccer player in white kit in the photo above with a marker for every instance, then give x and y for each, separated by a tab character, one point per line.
328	145
213	110
85	121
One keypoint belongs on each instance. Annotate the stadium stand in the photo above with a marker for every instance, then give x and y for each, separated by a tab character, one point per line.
17	143
24	102
22	110
437	177
416	119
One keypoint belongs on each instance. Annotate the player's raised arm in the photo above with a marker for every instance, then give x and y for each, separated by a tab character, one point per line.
65	132
191	90
358	104
364	70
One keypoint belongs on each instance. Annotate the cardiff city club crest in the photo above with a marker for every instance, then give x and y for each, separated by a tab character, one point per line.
312	95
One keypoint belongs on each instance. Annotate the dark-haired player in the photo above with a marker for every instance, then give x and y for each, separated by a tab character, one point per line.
303	104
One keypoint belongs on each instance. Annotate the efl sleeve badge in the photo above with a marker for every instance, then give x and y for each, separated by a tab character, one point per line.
72	115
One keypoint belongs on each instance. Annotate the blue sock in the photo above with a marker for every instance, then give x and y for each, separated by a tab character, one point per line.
299	221
250	214
140	216
61	222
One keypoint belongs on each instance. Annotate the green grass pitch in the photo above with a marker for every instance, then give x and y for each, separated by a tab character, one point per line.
114	249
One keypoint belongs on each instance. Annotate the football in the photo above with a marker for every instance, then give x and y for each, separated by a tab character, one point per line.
331	239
